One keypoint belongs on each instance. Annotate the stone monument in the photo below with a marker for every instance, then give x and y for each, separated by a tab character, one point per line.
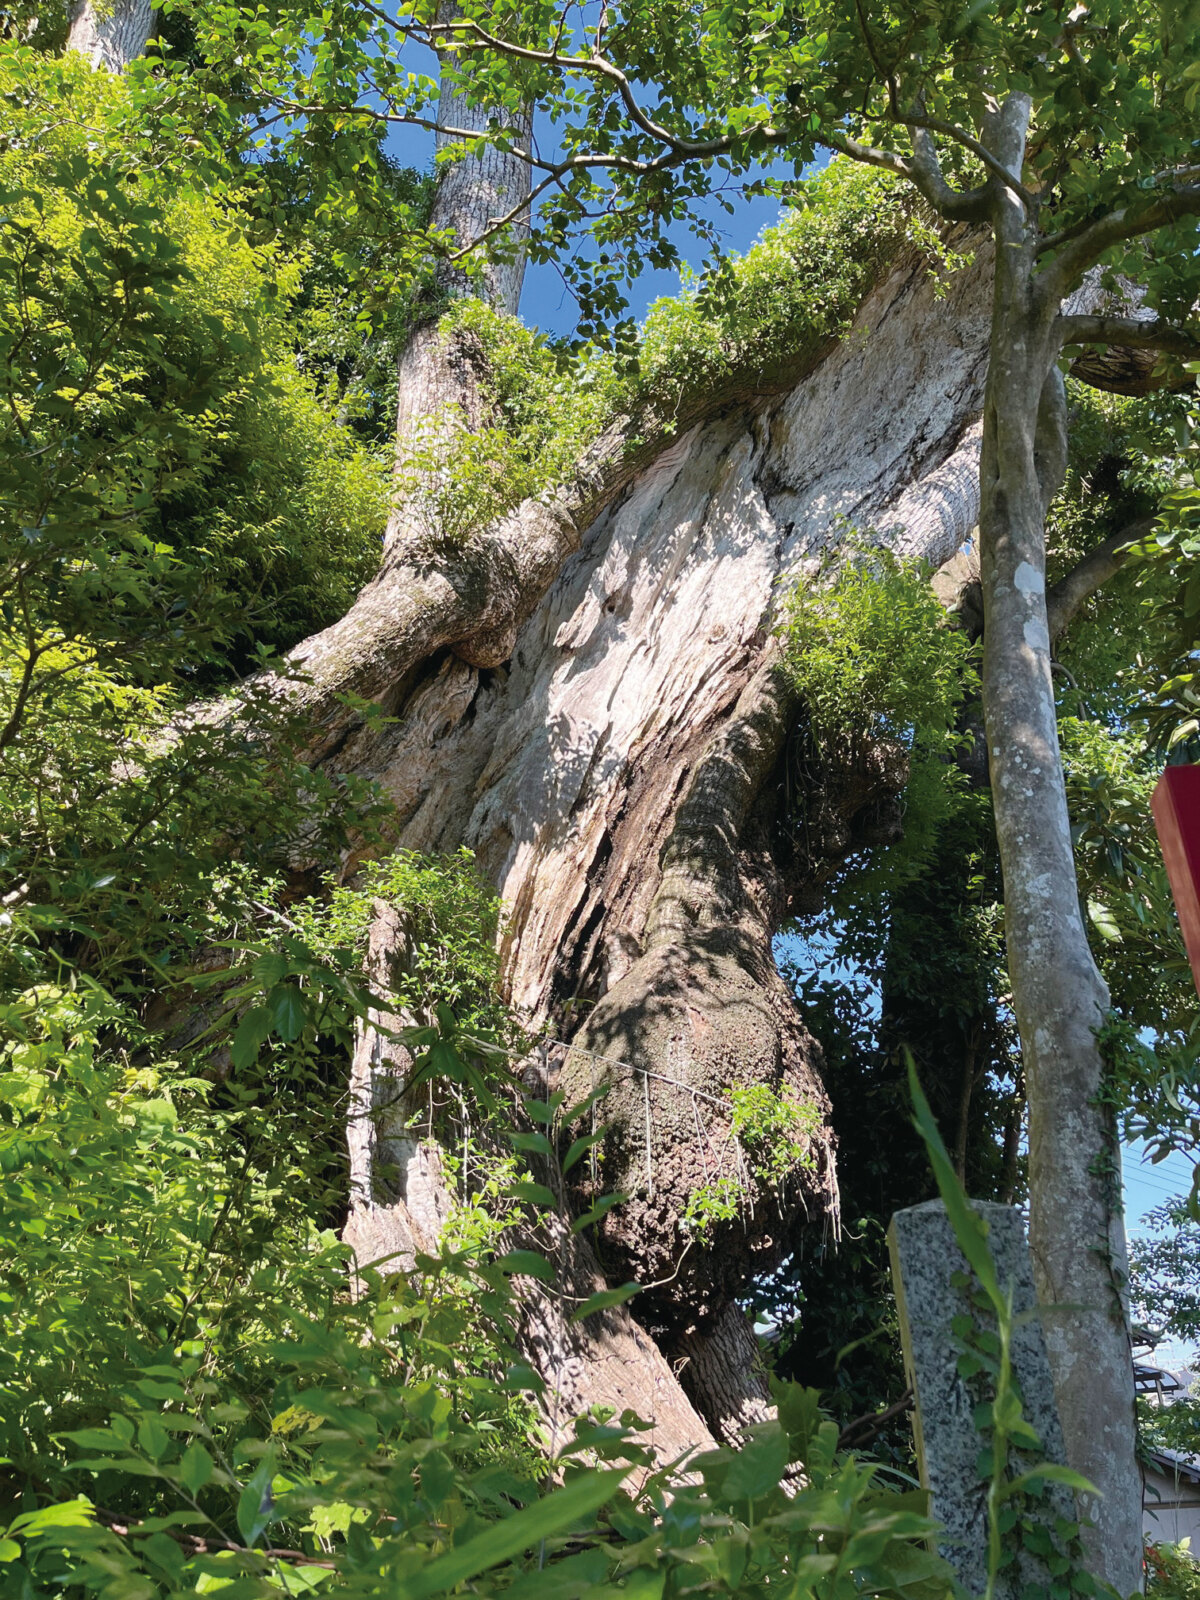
926	1258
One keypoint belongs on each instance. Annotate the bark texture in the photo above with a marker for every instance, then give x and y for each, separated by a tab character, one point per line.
588	698
1060	999
400	1202
111	34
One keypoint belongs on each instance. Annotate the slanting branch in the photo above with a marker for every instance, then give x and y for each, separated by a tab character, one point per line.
926	173
1123	352
1135	333
1092	571
1080	248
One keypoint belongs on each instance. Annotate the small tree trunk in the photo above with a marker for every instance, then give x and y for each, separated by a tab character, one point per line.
112	34
439	385
1060	999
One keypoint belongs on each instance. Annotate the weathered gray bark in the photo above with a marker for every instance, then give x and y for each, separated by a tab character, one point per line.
586	698
1060	999
401	1200
111	32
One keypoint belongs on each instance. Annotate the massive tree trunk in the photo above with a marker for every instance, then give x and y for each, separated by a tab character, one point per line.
586	694
1060	999
112	34
588	697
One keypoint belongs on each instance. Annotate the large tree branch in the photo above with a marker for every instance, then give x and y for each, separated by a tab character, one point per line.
1150	333
1065	598
1129	219
926	173
1121	354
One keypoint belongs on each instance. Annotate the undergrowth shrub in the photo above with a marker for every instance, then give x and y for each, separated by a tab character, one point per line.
1172	1572
871	651
150	381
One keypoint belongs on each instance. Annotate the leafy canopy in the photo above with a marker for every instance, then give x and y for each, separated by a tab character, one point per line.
643	103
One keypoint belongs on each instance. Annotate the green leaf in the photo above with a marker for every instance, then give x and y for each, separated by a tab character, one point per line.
1049	1472
526	1264
252	1030
10	1550
153	1437
536	1194
543	1111
601	1209
758	1465
255	1506
605	1299
289	1011
581	1146
969	1227
195	1467
1105	924
66	1514
554	1514
271	968
537	1143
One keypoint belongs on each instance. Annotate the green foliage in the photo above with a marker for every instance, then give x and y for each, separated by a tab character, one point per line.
1170	552
166	470
450	923
710	1203
878	664
776	1129
873	656
1172	1572
722	93
1165	1273
765	313
781	303
539	418
1130	908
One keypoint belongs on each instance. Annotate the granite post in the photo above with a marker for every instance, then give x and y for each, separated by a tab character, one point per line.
925	1260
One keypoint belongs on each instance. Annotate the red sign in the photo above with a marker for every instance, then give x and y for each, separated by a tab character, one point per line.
1176	807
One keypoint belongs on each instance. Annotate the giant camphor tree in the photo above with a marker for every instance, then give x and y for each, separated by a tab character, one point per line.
581	680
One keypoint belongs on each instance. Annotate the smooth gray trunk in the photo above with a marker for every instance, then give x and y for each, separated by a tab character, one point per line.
1059	996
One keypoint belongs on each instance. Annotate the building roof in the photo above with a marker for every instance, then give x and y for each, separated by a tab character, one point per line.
1149	1379
1185	1469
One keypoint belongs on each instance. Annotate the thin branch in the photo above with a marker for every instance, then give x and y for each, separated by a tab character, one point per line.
857	1433
870	155
884	72
594	66
598	66
1151	333
949	130
199	1546
497	225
